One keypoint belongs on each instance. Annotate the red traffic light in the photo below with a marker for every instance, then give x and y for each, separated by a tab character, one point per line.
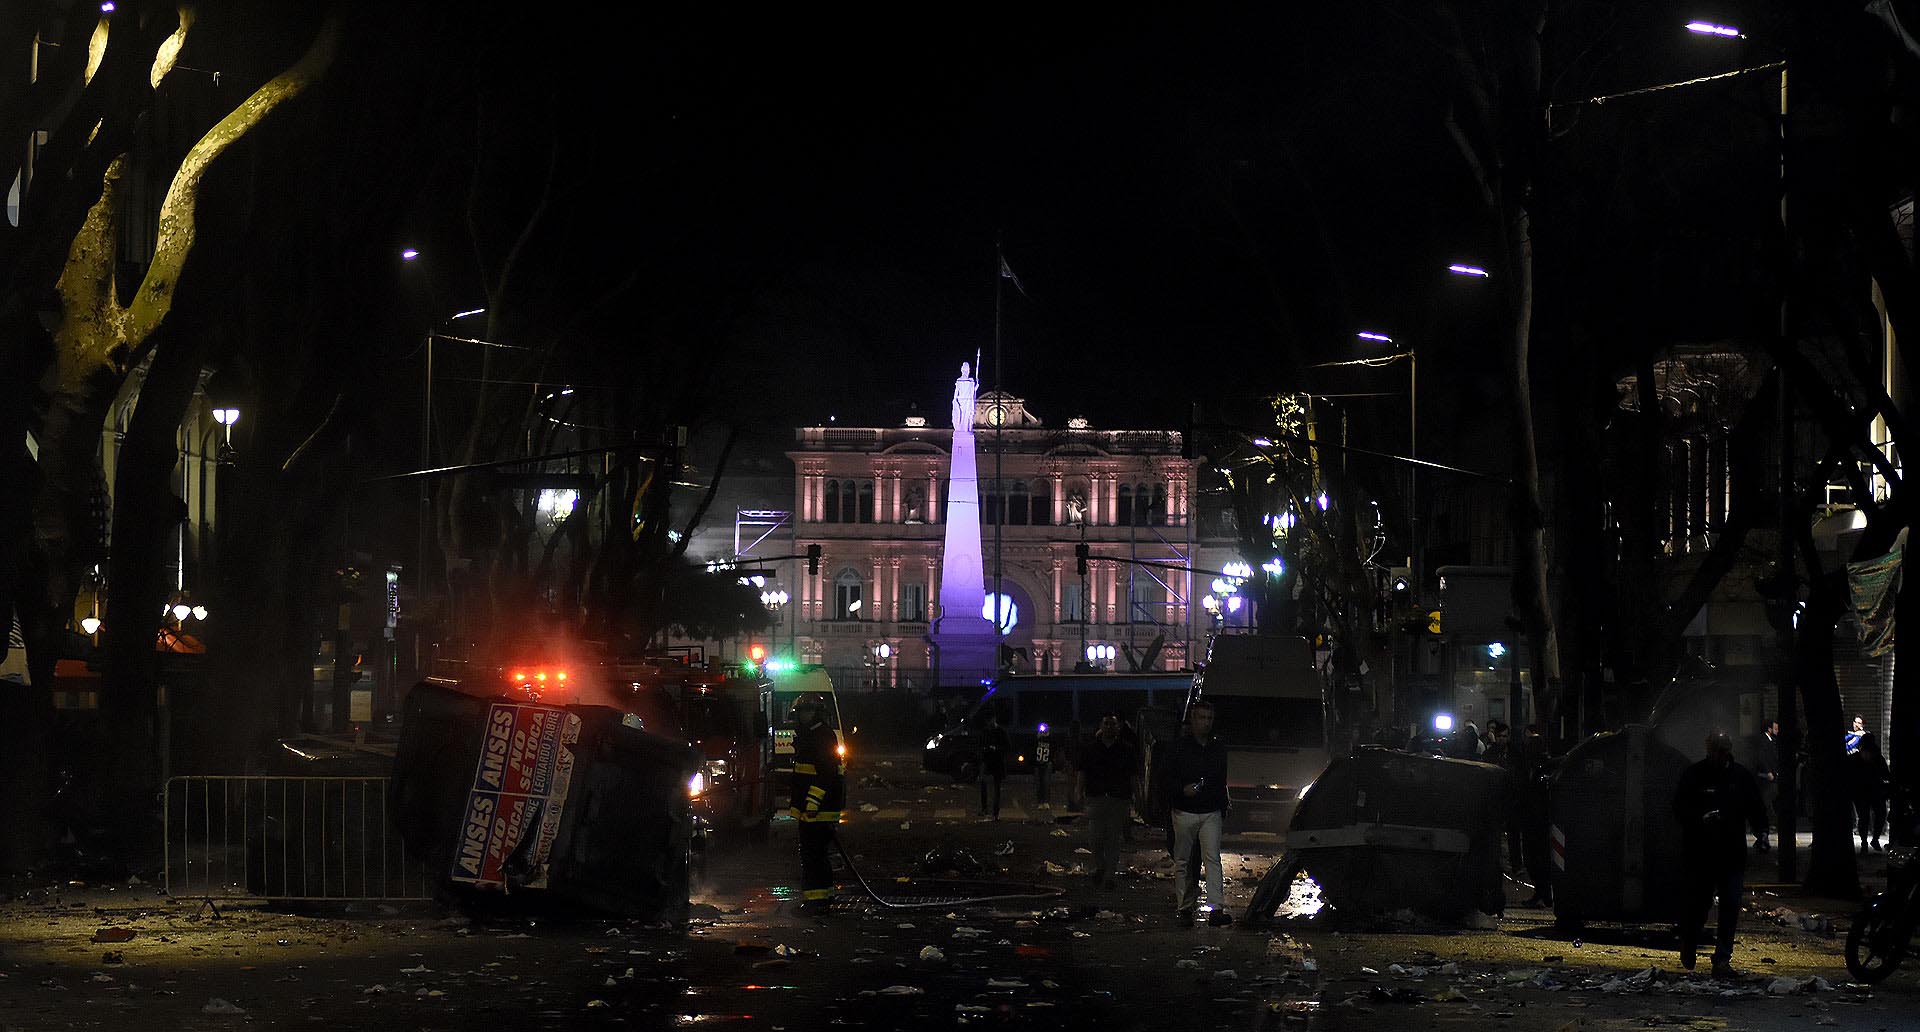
757	653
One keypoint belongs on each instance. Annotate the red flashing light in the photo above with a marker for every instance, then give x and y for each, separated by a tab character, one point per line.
518	675
562	675
541	676
756	652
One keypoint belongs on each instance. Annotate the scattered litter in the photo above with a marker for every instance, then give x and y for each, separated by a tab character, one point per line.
932	954
1369	971
896	990
1226	974
421	970
1084	851
784	950
113	957
424	992
869	808
597	1004
373	990
1005	983
904	925
906	825
1004	848
1449	995
1187	964
216	1005
1058	833
113	935
102	977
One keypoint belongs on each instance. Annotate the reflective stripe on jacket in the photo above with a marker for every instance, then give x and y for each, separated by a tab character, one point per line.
819	774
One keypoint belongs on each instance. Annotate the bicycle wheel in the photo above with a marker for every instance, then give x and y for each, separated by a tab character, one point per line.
1874	943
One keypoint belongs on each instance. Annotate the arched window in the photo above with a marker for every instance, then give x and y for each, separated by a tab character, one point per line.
1042	503
865	512
1142	505
847	600
832	492
849	502
1159	515
1123	513
1018	504
990	506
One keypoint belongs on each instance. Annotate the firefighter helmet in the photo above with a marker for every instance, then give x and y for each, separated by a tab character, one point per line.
809	699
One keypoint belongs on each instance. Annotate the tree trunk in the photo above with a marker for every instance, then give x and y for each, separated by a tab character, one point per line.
1831	870
146	515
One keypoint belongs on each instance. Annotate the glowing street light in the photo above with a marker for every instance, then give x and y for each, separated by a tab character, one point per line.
1467	270
1376	337
409	254
1702	28
181	611
91	625
200	613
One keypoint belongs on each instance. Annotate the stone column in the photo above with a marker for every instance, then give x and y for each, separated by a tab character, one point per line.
1058	588
1059	500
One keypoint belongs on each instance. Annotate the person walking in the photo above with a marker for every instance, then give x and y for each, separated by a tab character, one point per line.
1198	776
1867	782
1533	780
993	742
1042	767
1716	802
1766	769
1106	777
819	794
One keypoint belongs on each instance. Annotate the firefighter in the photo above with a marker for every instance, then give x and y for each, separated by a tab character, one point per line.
819	792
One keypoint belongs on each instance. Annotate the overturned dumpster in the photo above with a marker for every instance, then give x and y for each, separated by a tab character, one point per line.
574	803
1615	840
1384	830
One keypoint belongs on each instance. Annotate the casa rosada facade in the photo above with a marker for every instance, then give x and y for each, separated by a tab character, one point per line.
874	500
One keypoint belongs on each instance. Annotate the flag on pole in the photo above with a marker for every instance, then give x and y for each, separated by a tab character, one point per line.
1006	273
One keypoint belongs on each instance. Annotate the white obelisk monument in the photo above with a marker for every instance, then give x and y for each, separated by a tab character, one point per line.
969	648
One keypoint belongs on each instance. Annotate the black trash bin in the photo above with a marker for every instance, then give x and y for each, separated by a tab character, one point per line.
574	803
1615	840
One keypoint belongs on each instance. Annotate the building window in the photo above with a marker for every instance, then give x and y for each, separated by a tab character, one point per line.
1159	515
1042	503
1018	504
1142	505
916	505
865	510
846	596
832	492
1073	604
1123	513
913	603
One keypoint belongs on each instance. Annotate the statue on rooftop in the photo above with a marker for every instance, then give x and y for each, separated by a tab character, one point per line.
963	391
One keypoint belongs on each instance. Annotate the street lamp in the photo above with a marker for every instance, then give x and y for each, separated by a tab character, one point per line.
1711	29
1467	270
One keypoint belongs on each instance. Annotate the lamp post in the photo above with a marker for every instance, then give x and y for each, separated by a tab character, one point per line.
1789	741
426	429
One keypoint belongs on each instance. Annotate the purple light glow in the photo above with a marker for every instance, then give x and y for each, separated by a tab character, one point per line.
409	255
1381	337
1710	29
107	8
1467	270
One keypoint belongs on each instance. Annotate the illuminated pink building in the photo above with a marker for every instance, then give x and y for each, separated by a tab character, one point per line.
874	499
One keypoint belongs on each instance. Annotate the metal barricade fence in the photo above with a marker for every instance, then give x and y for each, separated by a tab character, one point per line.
286	838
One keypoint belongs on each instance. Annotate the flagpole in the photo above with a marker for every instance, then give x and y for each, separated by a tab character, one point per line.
999	449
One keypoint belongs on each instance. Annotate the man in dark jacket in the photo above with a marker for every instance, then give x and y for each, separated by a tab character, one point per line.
819	794
1197	784
1107	775
1716	802
994	743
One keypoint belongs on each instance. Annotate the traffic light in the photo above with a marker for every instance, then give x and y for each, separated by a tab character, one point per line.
1080	553
813	560
1402	579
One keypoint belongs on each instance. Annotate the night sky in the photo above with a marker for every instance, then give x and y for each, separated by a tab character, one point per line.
1197	204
